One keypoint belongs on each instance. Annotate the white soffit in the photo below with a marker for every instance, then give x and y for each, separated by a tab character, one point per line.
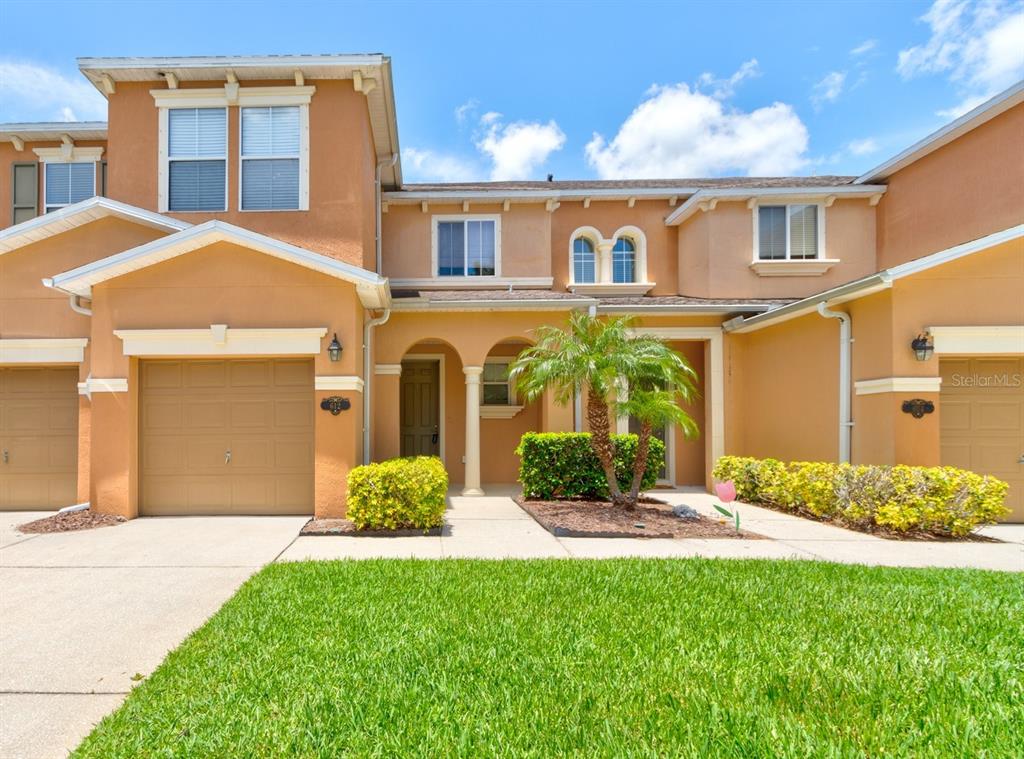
373	290
53	131
70	217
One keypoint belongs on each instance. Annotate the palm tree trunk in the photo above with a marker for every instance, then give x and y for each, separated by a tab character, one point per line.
643	446
601	442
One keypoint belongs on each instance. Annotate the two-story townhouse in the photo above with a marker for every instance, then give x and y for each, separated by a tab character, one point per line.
247	300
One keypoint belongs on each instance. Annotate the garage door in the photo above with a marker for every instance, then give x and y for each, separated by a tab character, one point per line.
982	420
226	437
38	437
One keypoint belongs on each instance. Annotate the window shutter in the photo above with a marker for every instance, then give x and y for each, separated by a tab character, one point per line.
803	231
771	232
25	192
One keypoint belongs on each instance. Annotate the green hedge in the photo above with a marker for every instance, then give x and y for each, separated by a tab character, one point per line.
563	465
935	500
398	493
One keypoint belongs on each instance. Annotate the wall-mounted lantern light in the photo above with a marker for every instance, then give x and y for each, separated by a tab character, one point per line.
334	349
922	346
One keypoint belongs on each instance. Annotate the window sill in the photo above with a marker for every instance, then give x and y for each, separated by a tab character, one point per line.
499	412
470	283
611	288
813	267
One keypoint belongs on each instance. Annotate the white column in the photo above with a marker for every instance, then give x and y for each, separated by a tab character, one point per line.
472	479
604	260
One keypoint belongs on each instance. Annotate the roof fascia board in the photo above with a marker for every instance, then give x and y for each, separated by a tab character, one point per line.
232	62
687	209
987	111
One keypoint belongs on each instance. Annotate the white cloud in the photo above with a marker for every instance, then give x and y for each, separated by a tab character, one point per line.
463	111
428	165
725	88
30	92
978	46
679	132
866	146
865	47
829	88
517	149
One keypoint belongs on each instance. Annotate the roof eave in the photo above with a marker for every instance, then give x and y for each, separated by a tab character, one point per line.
693	204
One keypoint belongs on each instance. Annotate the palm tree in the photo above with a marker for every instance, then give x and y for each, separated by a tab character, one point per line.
595	355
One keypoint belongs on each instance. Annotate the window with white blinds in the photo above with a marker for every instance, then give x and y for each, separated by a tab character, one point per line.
67	183
197	159
270	158
466	247
787	232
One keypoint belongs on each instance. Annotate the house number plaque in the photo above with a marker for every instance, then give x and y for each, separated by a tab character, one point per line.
335	404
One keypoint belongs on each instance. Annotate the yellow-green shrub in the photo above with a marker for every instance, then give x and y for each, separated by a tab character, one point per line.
935	500
398	493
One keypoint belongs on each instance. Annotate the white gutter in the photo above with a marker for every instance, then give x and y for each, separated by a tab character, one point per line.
75	301
845	420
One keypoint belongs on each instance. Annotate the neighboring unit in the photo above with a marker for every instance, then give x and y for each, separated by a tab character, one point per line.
225	297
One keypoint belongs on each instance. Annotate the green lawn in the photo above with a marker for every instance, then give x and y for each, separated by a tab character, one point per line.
614	658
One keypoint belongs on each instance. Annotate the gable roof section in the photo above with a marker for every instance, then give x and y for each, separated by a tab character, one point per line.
373	289
987	111
872	283
70	217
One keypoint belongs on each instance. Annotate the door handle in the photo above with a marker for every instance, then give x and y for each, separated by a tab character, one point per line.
433	438
1019	461
227	456
6	457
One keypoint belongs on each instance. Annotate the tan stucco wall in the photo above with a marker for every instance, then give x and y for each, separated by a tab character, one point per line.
9	155
340	220
965	190
525	233
221	284
716	249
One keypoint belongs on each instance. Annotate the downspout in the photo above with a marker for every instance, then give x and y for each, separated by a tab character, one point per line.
369	324
845	421
75	301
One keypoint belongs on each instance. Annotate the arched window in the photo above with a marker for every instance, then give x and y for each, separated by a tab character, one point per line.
624	260
583	262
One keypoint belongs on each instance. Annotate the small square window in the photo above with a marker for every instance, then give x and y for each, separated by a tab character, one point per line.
497	389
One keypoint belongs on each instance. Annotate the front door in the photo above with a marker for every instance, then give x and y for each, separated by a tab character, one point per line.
420	411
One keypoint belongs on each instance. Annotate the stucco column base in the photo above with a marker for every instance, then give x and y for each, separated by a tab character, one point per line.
471	487
113	461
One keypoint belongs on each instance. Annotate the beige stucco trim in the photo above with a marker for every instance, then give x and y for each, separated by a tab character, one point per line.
499	412
611	288
471	283
984	340
395	370
232	94
332	382
715	380
897	385
68	154
35	350
103	385
220	340
811	267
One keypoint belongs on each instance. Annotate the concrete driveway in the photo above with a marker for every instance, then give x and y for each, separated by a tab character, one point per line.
81	613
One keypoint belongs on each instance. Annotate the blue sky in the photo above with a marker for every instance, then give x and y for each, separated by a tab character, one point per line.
580	89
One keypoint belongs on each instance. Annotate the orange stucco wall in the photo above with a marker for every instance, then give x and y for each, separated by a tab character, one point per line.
9	155
341	217
965	190
716	249
220	284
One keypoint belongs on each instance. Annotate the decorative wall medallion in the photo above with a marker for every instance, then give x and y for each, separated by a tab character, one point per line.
918	407
335	404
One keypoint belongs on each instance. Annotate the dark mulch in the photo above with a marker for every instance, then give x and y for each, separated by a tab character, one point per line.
71	521
599	519
345	527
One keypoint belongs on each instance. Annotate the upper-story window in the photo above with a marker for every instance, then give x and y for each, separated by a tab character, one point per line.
787	232
270	158
466	246
584	262
67	183
624	260
197	159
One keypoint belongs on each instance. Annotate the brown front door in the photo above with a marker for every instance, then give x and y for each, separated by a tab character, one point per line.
38	437
420	410
981	415
226	436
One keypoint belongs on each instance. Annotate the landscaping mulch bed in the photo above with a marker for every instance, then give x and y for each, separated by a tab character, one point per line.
70	522
599	519
345	527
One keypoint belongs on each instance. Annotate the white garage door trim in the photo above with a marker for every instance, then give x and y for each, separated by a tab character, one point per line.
977	341
221	340
49	350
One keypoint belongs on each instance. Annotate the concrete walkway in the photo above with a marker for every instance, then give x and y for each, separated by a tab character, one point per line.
494	527
82	613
